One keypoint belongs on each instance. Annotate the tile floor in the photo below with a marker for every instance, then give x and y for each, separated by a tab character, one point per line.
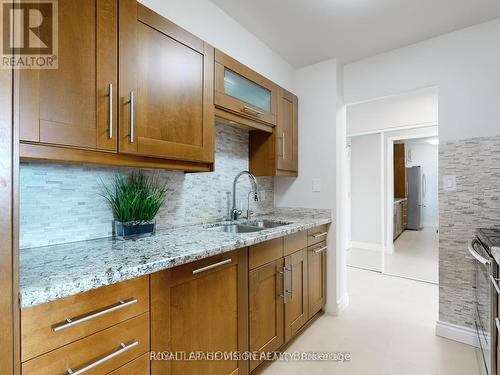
388	328
415	256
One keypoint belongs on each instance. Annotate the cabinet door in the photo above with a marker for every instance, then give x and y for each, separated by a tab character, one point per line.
166	88
244	92
400	179
74	105
287	131
265	285
296	309
201	306
316	276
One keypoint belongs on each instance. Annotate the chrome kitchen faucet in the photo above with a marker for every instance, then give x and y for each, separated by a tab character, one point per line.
235	213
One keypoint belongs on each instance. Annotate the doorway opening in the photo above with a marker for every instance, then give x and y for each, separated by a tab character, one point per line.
394	203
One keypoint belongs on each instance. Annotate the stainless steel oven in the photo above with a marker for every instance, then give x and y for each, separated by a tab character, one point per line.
486	294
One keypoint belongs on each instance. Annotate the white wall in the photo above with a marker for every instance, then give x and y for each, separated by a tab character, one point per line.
210	23
366	185
321	156
426	156
316	87
419	107
464	64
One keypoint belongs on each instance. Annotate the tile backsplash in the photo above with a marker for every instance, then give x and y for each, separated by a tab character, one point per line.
62	203
476	204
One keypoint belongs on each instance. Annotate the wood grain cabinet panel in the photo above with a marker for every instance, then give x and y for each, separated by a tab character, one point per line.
316	276
317	234
201	306
39	322
265	252
296	308
287	132
70	105
166	88
266	315
241	91
276	153
126	341
139	366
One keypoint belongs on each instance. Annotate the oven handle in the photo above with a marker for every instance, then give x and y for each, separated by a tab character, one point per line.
474	253
495	284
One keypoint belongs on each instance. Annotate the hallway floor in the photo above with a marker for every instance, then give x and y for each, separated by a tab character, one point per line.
415	256
388	328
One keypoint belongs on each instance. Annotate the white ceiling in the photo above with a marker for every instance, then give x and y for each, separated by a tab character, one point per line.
308	31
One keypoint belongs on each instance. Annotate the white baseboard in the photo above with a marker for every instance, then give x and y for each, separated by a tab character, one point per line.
458	333
342	303
366	246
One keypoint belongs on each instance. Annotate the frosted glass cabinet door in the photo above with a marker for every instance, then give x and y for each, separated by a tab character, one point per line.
247	91
242	92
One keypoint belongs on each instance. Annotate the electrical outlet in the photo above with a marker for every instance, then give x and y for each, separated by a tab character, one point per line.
450	183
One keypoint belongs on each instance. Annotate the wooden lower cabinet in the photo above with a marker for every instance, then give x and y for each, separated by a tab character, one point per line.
266	291
296	309
201	306
285	293
139	366
316	278
113	347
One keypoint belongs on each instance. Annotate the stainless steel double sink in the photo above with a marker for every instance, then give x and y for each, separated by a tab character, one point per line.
248	226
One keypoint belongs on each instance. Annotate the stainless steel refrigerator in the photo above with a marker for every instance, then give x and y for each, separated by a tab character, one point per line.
416	189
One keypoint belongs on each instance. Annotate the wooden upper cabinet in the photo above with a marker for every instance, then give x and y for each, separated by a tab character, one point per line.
72	105
400	178
241	92
166	88
287	132
276	153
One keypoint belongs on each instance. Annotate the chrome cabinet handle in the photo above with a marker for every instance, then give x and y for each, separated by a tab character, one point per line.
291	279
110	111
497	322
495	284
282	273
283	145
211	266
123	349
70	322
474	253
319	234
319	249
252	111
132	100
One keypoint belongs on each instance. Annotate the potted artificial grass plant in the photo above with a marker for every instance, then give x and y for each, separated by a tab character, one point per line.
135	201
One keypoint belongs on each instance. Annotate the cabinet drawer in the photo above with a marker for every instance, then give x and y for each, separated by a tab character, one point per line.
46	327
317	234
139	366
100	353
294	242
265	252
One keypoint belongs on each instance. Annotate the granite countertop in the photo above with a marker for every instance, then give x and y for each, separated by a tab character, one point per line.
51	272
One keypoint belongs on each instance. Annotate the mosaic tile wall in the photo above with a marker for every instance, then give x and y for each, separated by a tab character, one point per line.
61	203
476	203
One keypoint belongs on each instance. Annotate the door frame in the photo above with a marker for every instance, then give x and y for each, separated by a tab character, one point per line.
388	212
